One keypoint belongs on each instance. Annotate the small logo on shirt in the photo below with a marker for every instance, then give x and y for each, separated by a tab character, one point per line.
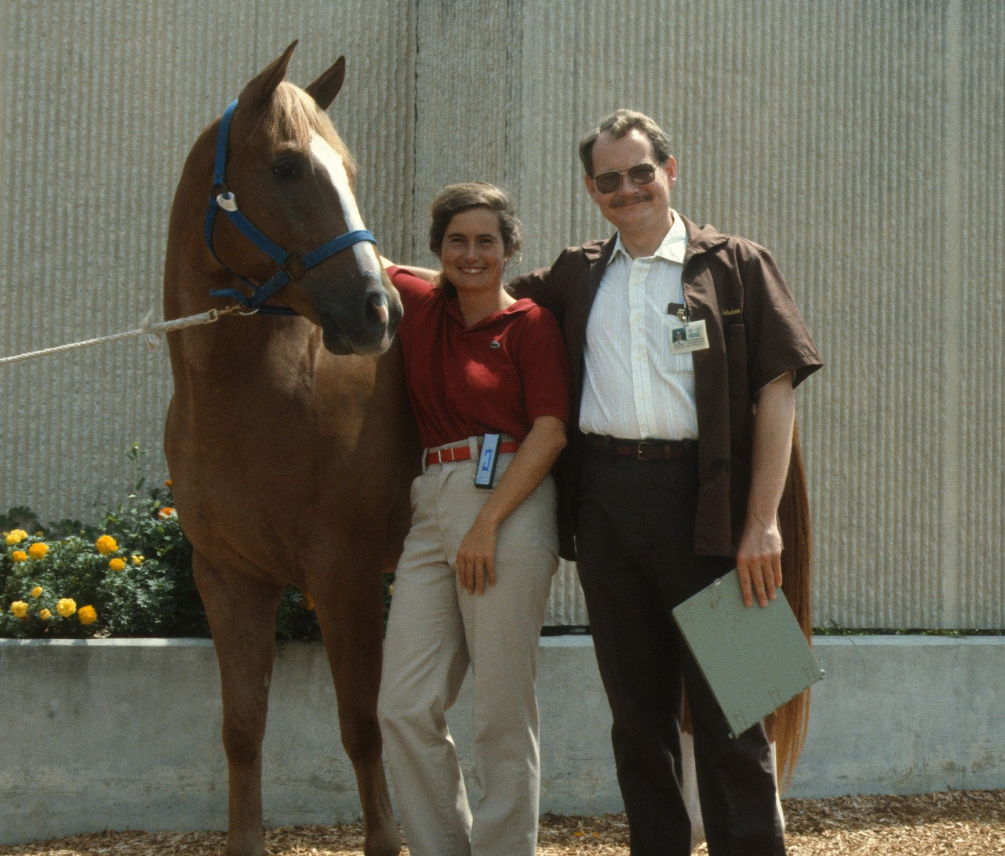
731	311
494	344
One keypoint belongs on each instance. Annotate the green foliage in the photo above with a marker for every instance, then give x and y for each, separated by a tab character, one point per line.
134	571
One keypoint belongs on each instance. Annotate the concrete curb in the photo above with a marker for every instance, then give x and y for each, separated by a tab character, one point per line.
124	734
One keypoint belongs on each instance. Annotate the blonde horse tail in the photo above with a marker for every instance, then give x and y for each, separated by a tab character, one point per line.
792	718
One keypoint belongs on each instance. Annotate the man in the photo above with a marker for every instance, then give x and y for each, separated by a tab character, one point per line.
685	347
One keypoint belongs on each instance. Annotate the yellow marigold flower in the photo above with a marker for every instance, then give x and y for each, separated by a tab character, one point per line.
19	609
167	512
19	556
106	545
66	606
117	565
37	591
137	560
44	614
15	537
87	615
38	550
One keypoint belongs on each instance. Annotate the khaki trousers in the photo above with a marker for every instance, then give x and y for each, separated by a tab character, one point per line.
435	631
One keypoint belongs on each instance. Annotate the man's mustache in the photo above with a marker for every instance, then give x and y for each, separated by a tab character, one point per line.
629	200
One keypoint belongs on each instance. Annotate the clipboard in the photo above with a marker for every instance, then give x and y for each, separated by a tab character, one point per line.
754	658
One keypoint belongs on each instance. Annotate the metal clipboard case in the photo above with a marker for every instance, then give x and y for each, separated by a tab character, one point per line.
754	659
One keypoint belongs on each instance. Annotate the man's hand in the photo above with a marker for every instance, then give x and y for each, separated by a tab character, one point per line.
759	562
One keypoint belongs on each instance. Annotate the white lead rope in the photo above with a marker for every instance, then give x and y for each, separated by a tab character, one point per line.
147	329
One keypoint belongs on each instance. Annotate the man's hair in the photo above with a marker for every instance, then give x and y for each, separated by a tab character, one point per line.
619	123
457	198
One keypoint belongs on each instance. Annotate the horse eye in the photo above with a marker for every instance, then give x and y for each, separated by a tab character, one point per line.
285	169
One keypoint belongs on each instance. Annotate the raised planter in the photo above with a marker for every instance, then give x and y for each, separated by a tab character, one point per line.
126	734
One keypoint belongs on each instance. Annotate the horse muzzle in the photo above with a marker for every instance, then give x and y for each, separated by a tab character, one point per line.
365	327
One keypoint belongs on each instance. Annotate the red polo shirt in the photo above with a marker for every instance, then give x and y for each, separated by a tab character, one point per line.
496	376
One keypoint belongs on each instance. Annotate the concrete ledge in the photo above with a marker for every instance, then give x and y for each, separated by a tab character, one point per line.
124	734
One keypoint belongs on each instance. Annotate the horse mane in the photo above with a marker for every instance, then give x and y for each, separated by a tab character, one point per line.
293	115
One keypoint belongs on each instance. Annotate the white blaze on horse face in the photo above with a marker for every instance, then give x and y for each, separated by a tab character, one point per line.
365	252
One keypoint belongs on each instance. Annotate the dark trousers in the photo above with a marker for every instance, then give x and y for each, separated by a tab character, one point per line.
636	561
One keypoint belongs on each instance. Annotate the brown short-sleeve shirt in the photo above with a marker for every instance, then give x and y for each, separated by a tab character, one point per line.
756	333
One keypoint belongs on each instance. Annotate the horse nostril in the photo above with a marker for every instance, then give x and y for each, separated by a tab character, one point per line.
376	307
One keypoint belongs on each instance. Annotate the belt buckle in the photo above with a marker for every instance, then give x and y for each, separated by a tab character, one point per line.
643	445
439	456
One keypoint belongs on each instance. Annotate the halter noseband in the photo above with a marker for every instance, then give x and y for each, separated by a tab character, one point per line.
291	268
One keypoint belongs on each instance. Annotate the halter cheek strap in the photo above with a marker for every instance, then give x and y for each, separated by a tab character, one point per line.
290	268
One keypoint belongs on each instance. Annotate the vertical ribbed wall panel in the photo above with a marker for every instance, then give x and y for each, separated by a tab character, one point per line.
981	336
850	138
461	102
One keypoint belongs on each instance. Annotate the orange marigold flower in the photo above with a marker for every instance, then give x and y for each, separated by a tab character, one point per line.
167	512
308	602
106	545
44	614
19	609
66	606
19	556
37	591
87	615
37	551
117	565
167	482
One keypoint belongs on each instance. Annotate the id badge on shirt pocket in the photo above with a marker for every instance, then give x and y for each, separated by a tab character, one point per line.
688	337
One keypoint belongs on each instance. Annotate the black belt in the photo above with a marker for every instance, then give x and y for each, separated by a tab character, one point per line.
643	450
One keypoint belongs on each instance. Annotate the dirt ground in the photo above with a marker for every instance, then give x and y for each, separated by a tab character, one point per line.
966	823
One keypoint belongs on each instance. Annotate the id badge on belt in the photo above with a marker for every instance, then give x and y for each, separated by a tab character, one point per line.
487	461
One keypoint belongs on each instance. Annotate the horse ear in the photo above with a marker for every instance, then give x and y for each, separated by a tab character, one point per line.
327	86
260	88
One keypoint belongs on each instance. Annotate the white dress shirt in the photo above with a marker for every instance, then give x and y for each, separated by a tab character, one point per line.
634	387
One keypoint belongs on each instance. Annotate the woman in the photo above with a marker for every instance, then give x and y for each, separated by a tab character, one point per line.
472	583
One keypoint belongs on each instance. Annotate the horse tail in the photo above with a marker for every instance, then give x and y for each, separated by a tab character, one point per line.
792	719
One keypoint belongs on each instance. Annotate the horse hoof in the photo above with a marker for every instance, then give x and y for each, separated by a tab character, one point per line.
382	842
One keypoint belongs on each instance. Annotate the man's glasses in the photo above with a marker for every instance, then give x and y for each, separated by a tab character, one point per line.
640	174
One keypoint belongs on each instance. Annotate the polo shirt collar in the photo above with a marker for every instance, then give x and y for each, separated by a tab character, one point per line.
453	309
673	247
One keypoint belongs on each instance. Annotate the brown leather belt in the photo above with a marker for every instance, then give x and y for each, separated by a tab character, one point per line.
643	450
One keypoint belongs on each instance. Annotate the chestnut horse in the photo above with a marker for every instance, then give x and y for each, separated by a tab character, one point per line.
289	438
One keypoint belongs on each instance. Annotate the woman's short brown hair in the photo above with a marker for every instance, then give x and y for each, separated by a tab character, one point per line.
456	198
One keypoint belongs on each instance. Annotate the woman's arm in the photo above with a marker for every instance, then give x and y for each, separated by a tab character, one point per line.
427	274
537	455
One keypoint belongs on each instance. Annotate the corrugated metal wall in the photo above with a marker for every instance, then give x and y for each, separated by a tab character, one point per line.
862	141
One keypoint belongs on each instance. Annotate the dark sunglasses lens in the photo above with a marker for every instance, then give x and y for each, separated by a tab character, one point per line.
644	173
607	182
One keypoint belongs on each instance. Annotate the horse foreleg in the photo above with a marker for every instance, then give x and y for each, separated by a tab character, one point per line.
242	617
351	619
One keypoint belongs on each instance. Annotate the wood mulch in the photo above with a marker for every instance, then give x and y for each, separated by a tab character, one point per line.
965	823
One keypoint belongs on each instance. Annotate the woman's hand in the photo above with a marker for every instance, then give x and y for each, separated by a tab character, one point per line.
476	557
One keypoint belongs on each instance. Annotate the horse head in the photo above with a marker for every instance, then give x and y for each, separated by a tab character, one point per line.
292	230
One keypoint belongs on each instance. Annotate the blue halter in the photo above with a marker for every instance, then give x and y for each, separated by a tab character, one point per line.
291	268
